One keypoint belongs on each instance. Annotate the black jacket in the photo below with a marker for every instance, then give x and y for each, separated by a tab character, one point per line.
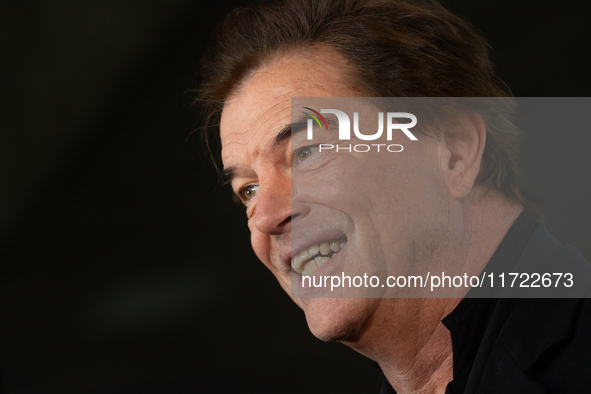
524	345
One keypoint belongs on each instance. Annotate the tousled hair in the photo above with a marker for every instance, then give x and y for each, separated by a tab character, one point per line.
393	48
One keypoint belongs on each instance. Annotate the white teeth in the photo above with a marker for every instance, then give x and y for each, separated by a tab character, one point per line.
335	246
310	268
314	249
318	261
309	260
296	262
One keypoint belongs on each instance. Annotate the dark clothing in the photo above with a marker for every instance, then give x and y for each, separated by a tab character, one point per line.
526	345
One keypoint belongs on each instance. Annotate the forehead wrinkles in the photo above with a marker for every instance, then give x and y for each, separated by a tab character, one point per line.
253	114
249	131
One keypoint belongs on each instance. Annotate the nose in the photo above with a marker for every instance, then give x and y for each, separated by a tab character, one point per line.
273	212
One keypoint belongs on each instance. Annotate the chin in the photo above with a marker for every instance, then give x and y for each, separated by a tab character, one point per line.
336	319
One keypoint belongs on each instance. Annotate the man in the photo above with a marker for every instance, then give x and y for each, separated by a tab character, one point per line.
454	196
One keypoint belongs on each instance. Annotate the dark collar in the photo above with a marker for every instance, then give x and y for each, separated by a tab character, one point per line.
492	336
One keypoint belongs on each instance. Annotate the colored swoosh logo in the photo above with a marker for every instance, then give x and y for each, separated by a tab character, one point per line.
316	117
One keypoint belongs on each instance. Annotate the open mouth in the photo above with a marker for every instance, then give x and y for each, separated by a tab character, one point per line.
310	259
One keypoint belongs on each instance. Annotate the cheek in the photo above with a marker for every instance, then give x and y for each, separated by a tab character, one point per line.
261	245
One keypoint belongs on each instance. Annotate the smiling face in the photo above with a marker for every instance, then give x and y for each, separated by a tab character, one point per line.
386	210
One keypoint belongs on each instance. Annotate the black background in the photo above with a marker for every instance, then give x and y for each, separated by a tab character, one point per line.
124	268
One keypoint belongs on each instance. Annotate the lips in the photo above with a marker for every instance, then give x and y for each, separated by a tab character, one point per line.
307	261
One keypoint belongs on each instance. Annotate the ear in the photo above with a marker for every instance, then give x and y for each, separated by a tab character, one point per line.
461	153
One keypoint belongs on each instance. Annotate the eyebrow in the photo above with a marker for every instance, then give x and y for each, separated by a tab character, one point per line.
287	131
295	127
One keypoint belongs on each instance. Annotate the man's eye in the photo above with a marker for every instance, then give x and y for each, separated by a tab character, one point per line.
250	191
304	153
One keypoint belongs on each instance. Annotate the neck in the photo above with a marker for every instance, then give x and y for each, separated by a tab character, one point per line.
405	336
428	366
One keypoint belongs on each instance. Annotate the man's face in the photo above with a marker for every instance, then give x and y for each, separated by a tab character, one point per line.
389	208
